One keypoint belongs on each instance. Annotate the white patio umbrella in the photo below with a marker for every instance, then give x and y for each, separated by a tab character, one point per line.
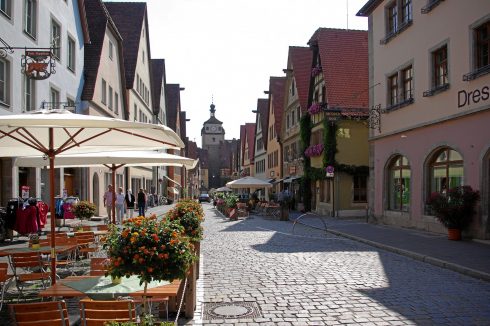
112	160
248	182
52	132
126	158
224	189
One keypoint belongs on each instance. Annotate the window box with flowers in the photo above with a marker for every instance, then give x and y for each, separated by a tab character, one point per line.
316	71
315	108
314	150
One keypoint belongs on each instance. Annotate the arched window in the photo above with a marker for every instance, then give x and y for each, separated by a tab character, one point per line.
399	184
446	170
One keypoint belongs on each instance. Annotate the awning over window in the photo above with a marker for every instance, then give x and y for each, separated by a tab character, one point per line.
173	190
178	184
290	179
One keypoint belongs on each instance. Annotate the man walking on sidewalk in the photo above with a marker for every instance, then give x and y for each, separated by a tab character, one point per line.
108	202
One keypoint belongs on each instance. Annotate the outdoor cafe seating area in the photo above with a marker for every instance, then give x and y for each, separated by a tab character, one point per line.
82	293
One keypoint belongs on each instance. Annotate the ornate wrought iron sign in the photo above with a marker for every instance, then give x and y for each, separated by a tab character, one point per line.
38	64
375	117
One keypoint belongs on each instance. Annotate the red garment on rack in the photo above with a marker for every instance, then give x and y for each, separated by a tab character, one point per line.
68	211
26	221
43	213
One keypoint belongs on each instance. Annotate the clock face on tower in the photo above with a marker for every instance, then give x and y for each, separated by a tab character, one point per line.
213	128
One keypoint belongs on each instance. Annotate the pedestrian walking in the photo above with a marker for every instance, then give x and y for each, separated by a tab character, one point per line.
141	202
108	201
129	198
119	205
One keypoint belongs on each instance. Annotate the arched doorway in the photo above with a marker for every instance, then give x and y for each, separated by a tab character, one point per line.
95	191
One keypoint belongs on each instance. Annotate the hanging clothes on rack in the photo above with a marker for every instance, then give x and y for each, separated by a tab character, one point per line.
27	218
43	213
68	204
13	205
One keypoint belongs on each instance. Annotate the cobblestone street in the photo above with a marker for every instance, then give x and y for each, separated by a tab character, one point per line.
312	278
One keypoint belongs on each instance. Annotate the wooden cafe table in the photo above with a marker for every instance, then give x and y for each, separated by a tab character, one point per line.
60	289
45	250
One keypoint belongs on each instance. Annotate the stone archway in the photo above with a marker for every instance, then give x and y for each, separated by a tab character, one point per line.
95	191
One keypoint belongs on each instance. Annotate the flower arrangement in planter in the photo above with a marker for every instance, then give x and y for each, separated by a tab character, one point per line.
84	210
454	209
316	71
315	108
314	150
190	215
34	238
154	250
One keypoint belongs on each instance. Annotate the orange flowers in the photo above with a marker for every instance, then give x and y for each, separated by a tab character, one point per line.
150	248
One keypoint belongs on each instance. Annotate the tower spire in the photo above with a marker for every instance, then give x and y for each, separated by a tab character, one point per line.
212	106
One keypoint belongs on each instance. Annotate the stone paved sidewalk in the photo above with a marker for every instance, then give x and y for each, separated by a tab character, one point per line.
257	272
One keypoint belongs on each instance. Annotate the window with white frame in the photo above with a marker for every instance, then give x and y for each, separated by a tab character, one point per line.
393	89
111	50
28	93
30	17
407	83
359	189
56	38
482	45
399	184
110	98
4	81
54	98
399	15
71	53
116	103
70	103
6	7
400	88
104	92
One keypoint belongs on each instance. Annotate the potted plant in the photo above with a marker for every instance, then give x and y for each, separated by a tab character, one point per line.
35	241
84	210
154	250
454	209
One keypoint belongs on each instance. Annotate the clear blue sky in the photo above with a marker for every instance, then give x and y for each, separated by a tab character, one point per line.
229	48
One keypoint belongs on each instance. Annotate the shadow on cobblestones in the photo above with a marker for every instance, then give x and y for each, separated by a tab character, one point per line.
309	277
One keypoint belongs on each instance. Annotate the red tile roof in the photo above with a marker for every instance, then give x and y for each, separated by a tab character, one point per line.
98	20
202	154
300	61
192	149
277	89
344	61
250	130
157	79
172	93
242	142
129	18
183	125
263	108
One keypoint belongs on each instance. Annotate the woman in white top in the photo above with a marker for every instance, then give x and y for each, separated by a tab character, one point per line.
119	205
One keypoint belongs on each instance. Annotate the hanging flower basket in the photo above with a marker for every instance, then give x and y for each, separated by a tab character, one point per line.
314	150
315	108
316	71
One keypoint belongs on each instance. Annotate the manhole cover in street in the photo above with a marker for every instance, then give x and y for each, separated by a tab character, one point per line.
224	310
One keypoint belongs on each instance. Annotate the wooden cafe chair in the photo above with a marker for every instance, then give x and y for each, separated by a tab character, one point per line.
49	313
28	267
98	266
5	280
97	313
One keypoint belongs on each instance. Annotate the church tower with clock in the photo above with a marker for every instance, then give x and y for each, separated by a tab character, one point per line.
213	134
